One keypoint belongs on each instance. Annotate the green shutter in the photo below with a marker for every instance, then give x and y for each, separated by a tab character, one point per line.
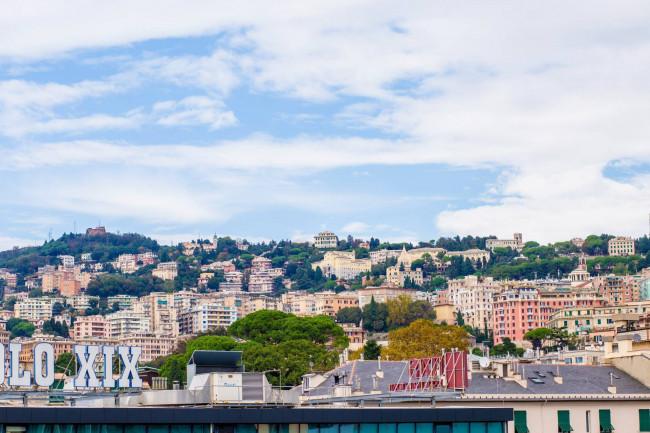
644	419
521	425
563	421
605	417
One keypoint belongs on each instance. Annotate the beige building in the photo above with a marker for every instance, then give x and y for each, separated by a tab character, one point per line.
383	294
302	303
580	274
166	271
380	256
620	246
325	240
472	296
343	264
516	243
397	277
474	255
33	309
153	346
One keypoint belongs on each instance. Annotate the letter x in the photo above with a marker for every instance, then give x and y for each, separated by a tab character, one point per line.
130	367
86	356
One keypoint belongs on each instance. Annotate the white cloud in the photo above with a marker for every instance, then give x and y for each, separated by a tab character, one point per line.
355	227
548	102
194	110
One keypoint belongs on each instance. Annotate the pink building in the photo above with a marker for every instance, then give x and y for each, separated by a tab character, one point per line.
517	310
91	327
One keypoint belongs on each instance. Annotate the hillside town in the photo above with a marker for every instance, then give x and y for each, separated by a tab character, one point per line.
589	289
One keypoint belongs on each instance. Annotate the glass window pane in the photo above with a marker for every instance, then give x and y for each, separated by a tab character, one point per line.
153	428
245	428
114	428
426	427
349	428
477	427
132	428
312	428
40	428
406	427
388	428
230	428
329	428
368	428
494	427
460	427
443	428
199	428
288	428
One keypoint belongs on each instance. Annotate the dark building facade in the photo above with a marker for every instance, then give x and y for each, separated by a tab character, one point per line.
252	420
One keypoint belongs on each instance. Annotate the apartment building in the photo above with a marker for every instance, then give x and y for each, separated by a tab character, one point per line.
620	246
81	302
11	280
91	327
206	316
123	301
325	303
589	319
521	307
153	346
343	264
475	255
356	334
515	244
260	282
380	256
67	261
619	289
260	264
125	322
166	271
161	309
33	309
397	275
385	293
26	357
326	240
472	296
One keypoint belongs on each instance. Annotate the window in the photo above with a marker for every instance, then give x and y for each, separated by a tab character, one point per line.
521	424
588	421
563	421
605	418
644	420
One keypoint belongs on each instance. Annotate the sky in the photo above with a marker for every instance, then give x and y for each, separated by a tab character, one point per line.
264	120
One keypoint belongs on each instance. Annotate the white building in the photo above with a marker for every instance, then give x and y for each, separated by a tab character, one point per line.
206	316
33	309
516	243
67	261
472	296
343	264
124	323
326	240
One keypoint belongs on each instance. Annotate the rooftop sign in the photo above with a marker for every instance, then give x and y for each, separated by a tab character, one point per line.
43	368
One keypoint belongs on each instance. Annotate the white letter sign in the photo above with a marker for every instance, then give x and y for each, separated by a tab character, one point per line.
130	367
47	379
15	379
86	356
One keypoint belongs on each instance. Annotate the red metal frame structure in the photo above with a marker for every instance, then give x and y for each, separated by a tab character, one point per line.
444	372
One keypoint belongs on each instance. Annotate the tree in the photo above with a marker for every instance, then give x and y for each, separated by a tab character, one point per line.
538	336
175	374
476	351
424	338
375	315
23	329
66	363
273	327
460	321
507	347
371	350
349	315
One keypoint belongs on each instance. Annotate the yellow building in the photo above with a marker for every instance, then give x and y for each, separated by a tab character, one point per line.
620	246
343	264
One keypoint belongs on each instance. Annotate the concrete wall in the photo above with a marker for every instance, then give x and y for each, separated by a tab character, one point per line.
637	366
542	415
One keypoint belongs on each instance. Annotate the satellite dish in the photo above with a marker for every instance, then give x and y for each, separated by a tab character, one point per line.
636	338
484	362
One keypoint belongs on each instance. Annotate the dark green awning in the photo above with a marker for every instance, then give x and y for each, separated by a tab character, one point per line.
563	421
521	424
605	418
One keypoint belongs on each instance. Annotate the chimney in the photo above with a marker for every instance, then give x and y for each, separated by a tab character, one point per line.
379	373
375	385
557	378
